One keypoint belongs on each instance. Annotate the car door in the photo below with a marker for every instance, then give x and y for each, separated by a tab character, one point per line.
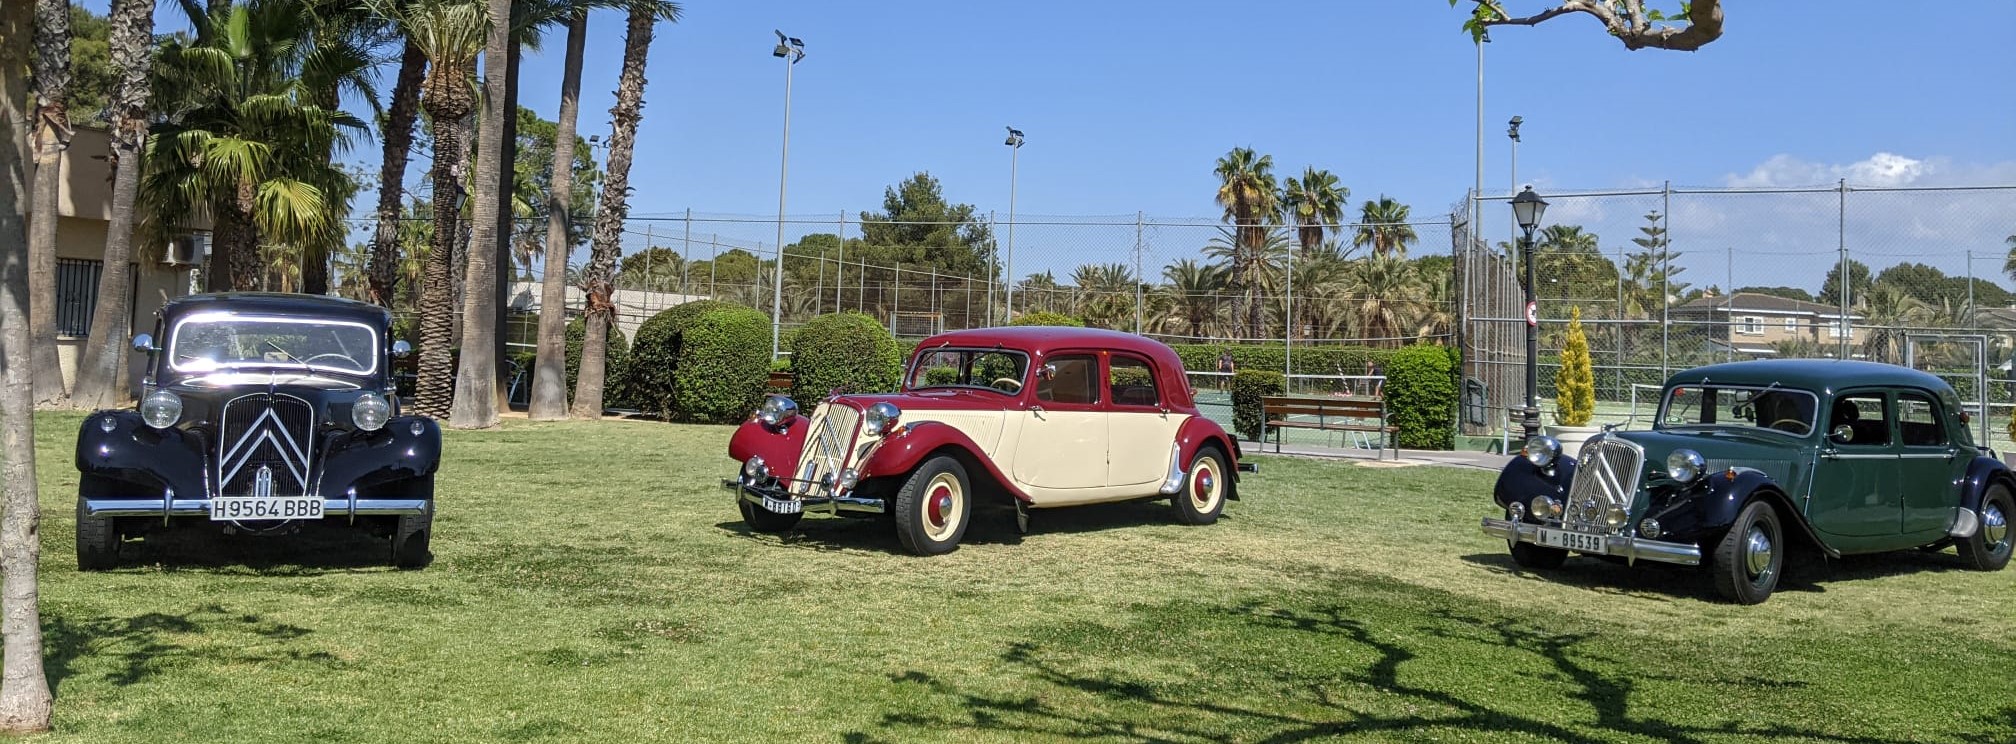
1929	464
1062	441
1140	428
1855	491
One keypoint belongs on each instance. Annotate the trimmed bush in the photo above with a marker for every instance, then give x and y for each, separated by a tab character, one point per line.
1249	386
650	378
1046	319
1421	396
723	365
845	351
1575	382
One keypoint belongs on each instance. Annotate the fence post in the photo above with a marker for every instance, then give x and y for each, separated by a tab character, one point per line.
840	264
1841	235
1139	217
686	254
1665	279
993	273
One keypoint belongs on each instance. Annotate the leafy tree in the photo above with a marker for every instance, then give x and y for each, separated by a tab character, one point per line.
1695	25
656	269
1315	203
1790	293
1251	198
101	374
1934	288
1105	294
1383	227
1570	266
537	138
1858	284
1193	289
918	228
1250	259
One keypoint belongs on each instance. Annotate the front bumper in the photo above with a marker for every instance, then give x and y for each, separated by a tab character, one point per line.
167	506
754	493
1631	549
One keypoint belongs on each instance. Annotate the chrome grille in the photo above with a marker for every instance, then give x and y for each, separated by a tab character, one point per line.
827	443
1607	476
269	434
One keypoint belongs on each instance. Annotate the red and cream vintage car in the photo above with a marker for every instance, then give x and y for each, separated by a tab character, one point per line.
1037	417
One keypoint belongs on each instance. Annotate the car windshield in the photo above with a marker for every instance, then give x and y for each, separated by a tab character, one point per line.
1771	408
990	369
213	342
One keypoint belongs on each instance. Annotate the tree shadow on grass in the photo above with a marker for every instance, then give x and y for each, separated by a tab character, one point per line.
1805	571
991	524
1353	700
139	646
316	549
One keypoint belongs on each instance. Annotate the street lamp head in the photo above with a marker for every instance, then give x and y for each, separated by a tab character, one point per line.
461	197
1014	137
1527	208
1512	128
788	47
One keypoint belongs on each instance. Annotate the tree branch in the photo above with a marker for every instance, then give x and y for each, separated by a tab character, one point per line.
1631	26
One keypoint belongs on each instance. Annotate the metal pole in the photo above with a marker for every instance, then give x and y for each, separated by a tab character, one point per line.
686	254
1139	217
1014	151
1841	235
1729	297
1622	325
1665	277
994	267
1288	330
783	176
1971	315
1532	418
840	264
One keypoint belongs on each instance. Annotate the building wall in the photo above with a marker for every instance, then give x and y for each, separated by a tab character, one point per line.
1773	327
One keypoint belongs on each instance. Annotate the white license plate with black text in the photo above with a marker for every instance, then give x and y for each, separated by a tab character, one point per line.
244	508
1577	541
783	506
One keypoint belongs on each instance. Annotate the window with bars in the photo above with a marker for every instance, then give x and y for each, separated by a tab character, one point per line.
76	294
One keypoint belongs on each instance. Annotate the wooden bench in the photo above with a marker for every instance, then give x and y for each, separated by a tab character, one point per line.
1332	414
780	382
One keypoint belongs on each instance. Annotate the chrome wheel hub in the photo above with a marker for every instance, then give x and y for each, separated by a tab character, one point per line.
1757	553
1994	525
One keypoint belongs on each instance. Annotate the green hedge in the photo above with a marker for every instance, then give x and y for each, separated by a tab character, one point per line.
1249	386
1046	319
723	365
650	379
1421	396
1309	360
845	351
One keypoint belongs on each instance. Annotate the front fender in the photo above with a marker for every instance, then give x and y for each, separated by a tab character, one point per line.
1700	512
900	452
143	456
1521	480
1198	432
779	449
382	459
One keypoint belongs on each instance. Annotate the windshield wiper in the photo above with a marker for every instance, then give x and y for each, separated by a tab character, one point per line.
307	370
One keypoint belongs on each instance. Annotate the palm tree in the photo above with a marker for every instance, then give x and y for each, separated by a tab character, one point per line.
615	206
101	374
1193	289
1317	281
1251	268
1251	198
24	688
1315	204
51	138
1105	294
1383	292
1569	256
1383	226
2009	264
397	140
1889	313
549	379
475	402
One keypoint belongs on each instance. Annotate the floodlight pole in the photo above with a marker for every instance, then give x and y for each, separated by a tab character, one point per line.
790	50
1008	274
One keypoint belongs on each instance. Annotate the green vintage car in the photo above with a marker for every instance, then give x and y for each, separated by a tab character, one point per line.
1749	460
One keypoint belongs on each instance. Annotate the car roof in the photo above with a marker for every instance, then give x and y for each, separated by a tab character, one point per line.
1810	374
1042	339
278	303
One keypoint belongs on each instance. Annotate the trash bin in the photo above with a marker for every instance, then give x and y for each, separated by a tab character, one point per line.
1474	406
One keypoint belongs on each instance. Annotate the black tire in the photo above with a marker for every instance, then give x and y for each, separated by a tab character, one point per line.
934	506
411	539
1204	487
1989	548
1538	557
97	541
1747	570
763	520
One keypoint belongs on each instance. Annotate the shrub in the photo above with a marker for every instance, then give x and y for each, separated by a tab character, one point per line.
1249	386
1575	382
1421	396
1046	319
723	365
846	351
651	372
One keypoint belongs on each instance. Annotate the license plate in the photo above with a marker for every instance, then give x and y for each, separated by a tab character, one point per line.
1576	541
783	506
250	508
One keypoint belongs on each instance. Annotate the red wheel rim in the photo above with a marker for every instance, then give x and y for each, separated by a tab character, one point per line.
937	504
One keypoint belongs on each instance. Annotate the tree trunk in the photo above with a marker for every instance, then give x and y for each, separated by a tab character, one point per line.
549	376
101	375
506	222
233	264
398	137
434	389
475	405
52	137
24	688
615	208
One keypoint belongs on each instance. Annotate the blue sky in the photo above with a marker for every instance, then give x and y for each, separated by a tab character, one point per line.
1127	104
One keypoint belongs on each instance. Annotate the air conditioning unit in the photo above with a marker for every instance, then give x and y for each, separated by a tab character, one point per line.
186	250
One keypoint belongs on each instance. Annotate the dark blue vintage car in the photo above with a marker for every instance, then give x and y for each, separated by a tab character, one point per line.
259	414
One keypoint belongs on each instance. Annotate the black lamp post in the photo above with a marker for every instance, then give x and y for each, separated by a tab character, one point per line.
1527	208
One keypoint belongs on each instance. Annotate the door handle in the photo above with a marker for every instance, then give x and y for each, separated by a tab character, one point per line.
1830	454
1038	410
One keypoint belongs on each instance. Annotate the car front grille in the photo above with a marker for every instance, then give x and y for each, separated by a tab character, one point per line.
834	428
1607	476
265	439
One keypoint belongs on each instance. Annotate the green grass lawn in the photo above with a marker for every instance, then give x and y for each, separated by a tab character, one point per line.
594	584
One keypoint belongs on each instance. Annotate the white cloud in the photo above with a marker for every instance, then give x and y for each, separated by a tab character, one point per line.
1878	170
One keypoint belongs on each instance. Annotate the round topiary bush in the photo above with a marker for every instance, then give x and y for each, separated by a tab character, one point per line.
1046	319
723	365
845	351
1249	387
650	377
1421	396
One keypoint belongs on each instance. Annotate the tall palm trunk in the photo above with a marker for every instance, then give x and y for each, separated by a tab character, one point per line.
234	255
475	405
101	376
383	274
549	377
506	225
24	688
52	137
434	389
615	208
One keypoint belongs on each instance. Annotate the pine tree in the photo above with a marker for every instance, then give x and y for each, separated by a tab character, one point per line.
1575	383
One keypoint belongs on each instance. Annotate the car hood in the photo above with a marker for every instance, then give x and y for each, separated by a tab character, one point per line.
203	398
1778	456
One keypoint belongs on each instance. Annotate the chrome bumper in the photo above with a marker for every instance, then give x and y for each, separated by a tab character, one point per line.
1632	549
830	505
168	506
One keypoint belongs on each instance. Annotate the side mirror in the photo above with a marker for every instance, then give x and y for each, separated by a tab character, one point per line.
1842	434
1047	372
401	349
144	344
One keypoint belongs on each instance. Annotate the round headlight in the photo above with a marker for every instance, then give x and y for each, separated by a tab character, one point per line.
1615	517
756	468
161	409
370	411
1685	465
1542	450
1546	508
1650	528
1515	511
777	411
882	417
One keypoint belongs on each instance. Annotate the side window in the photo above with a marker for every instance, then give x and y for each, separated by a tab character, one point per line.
1866	417
1075	380
1918	421
1133	382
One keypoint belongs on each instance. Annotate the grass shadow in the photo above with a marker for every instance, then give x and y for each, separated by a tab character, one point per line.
137	647
1647	580
316	549
991	524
